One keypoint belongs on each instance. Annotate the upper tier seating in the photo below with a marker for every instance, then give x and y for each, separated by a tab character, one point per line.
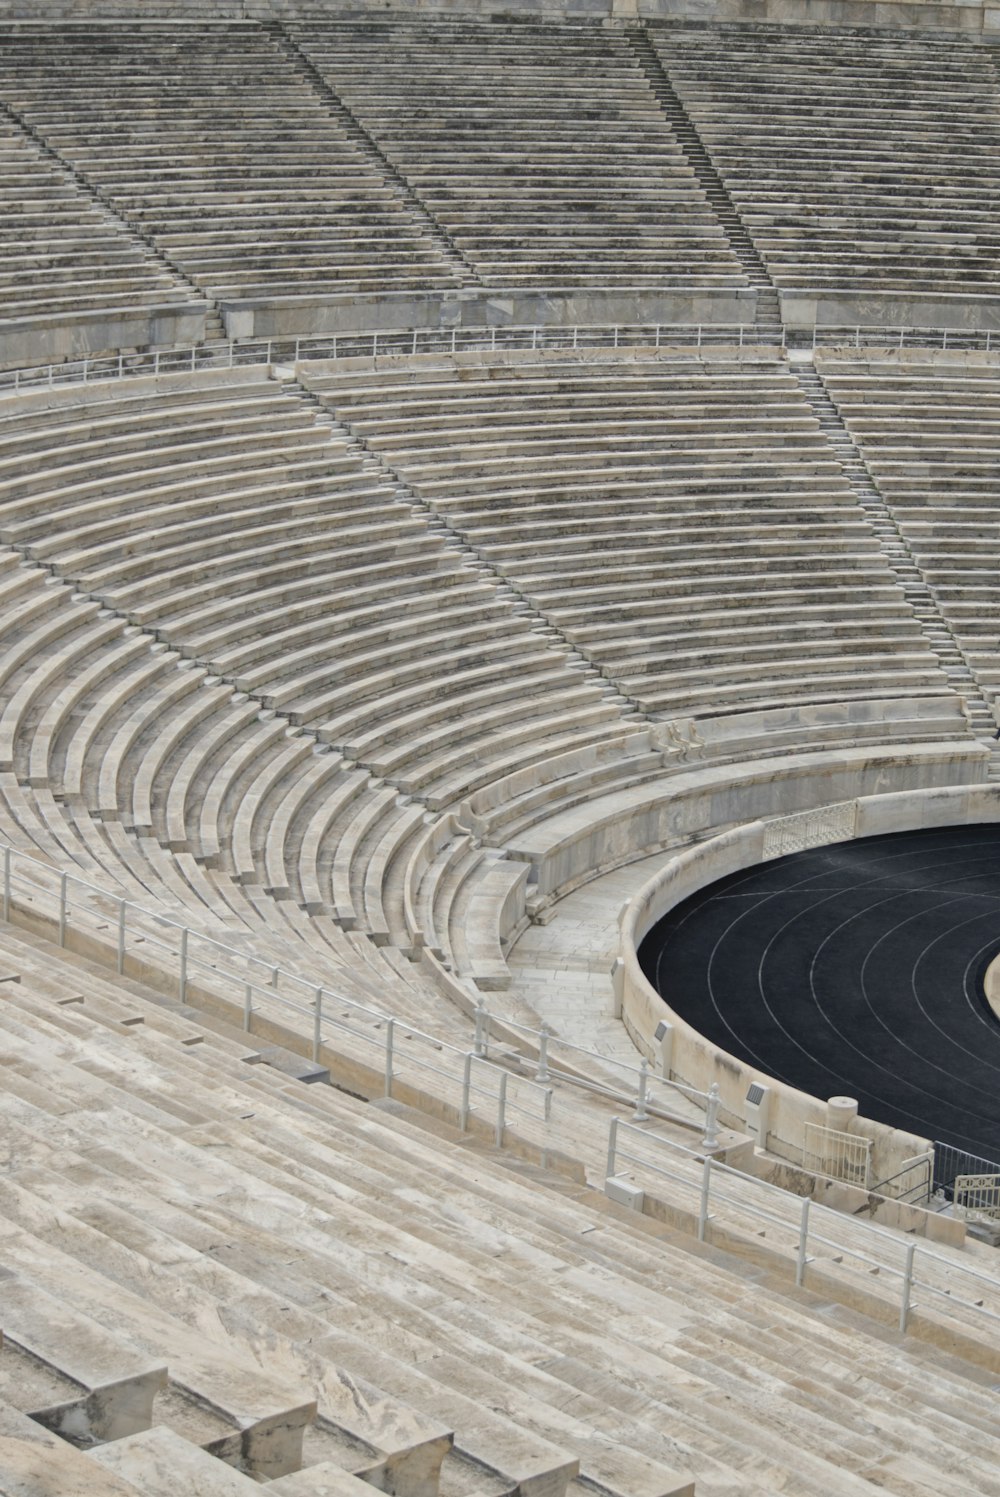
681	521
357	1294
60	255
206	139
539	147
930	435
858	160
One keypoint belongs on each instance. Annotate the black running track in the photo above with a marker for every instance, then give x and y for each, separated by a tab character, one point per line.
854	970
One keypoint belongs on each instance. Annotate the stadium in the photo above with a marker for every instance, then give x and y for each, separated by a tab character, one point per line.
499	748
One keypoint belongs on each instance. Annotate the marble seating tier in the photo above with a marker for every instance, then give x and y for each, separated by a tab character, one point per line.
195	1200
540	148
859	161
623	500
206	140
930	437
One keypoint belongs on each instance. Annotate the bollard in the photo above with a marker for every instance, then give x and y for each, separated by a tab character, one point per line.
248	1007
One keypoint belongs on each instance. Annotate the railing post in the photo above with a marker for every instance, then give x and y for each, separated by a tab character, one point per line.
6	884
183	979
120	954
501	1109
711	1139
944	339
706	1186
375	344
297	345
463	1116
482	1042
62	909
390	1029
612	1149
318	1023
904	1304
493	338
542	1073
616	335
641	1115
248	1007
800	1262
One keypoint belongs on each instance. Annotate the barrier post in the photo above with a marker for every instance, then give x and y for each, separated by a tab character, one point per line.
706	1186
183	979
501	1110
641	1115
542	1074
904	1304
389	1032
482	1043
120	954
317	1023
800	1262
612	1149
711	1139
463	1116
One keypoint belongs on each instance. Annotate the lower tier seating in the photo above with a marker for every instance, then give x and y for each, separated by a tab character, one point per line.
304	1287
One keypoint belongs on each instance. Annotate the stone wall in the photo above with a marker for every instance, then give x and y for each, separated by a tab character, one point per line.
976	18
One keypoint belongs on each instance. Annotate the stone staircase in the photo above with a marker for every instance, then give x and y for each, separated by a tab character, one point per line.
768	323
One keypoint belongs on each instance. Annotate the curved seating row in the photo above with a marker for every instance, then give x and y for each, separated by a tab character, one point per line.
206	139
858	160
539	147
59	254
681	521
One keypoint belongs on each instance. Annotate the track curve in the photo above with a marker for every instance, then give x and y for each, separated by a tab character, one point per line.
855	970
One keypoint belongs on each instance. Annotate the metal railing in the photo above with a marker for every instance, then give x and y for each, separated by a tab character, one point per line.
812	1232
253	985
838	1155
375	344
950	1162
985	340
639	1085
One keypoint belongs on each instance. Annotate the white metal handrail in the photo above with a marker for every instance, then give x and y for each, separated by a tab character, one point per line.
640	1078
836	1235
371	344
471	1070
